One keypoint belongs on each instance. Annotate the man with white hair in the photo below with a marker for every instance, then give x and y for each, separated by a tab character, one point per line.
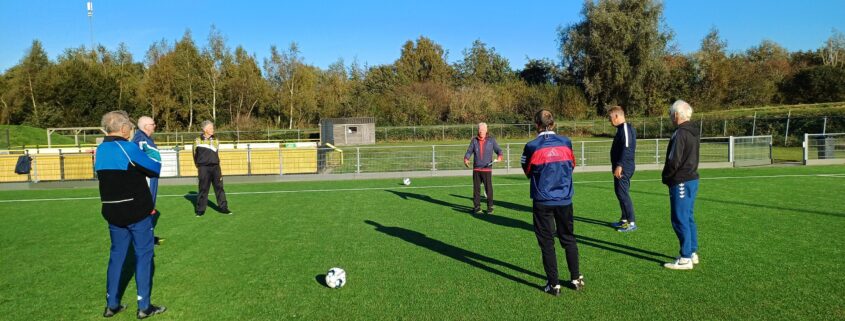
122	169
680	173
482	147
207	161
144	138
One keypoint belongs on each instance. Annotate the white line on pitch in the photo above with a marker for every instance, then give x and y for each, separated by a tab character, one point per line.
361	189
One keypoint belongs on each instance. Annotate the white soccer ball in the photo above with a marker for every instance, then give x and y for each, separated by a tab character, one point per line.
335	278
406	181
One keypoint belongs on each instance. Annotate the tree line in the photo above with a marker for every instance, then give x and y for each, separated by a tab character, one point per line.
621	52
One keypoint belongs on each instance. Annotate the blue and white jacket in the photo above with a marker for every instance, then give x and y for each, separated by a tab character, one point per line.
147	145
548	162
122	169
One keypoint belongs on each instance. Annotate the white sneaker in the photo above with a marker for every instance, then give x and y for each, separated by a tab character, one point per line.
694	258
679	264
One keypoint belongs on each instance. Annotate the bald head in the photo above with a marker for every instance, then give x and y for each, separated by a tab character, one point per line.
147	125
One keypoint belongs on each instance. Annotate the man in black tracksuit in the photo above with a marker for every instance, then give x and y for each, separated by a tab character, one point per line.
208	169
622	159
680	174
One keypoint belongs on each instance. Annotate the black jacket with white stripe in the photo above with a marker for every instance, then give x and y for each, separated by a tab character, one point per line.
624	148
122	169
205	151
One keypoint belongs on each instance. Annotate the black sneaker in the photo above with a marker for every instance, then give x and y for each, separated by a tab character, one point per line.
109	312
157	240
200	214
226	211
151	311
553	290
489	211
578	284
477	211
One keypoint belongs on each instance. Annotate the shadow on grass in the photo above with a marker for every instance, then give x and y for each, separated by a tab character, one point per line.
192	197
321	279
476	260
426	198
519	224
733	202
529	209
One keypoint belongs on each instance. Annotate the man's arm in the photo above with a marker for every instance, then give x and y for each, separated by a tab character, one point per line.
470	151
676	156
497	149
144	163
527	152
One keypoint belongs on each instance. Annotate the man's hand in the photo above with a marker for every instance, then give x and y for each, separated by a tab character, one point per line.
466	162
618	172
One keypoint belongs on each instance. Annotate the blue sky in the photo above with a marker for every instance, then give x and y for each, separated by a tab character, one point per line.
373	31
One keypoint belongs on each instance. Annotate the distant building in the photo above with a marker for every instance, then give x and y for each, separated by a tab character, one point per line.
348	131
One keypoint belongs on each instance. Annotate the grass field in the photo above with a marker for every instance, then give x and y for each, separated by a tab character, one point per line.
771	246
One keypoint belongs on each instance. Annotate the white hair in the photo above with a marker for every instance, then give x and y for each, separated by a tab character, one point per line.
205	124
482	124
114	121
682	109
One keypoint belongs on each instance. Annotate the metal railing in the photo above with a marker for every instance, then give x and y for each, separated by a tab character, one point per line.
275	159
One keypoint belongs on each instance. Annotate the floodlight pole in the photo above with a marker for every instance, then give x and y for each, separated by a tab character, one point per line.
91	23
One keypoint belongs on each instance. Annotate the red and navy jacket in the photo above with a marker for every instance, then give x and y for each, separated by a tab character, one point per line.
548	162
483	150
122	169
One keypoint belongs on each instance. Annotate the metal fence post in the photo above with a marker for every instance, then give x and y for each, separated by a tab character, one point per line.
248	160
281	168
178	164
657	151
508	160
661	127
731	149
358	160
433	158
824	126
806	145
583	157
61	165
754	125
786	135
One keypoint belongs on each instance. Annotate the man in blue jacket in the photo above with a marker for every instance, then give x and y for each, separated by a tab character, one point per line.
548	162
144	138
127	204
680	174
622	160
482	147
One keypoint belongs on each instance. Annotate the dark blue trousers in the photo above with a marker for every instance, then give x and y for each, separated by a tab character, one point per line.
140	236
622	187
682	200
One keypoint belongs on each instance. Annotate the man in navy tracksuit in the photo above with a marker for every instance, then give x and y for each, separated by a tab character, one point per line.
680	173
548	162
206	147
622	154
144	138
122	169
482	147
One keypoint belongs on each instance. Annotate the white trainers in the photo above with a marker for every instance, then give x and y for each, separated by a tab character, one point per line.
694	258
679	264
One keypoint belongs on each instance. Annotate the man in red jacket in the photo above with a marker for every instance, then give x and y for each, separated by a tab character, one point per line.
483	147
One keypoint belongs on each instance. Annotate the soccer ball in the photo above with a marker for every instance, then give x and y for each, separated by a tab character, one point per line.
335	278
406	181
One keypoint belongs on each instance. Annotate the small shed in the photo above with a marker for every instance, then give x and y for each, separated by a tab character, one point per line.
348	131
